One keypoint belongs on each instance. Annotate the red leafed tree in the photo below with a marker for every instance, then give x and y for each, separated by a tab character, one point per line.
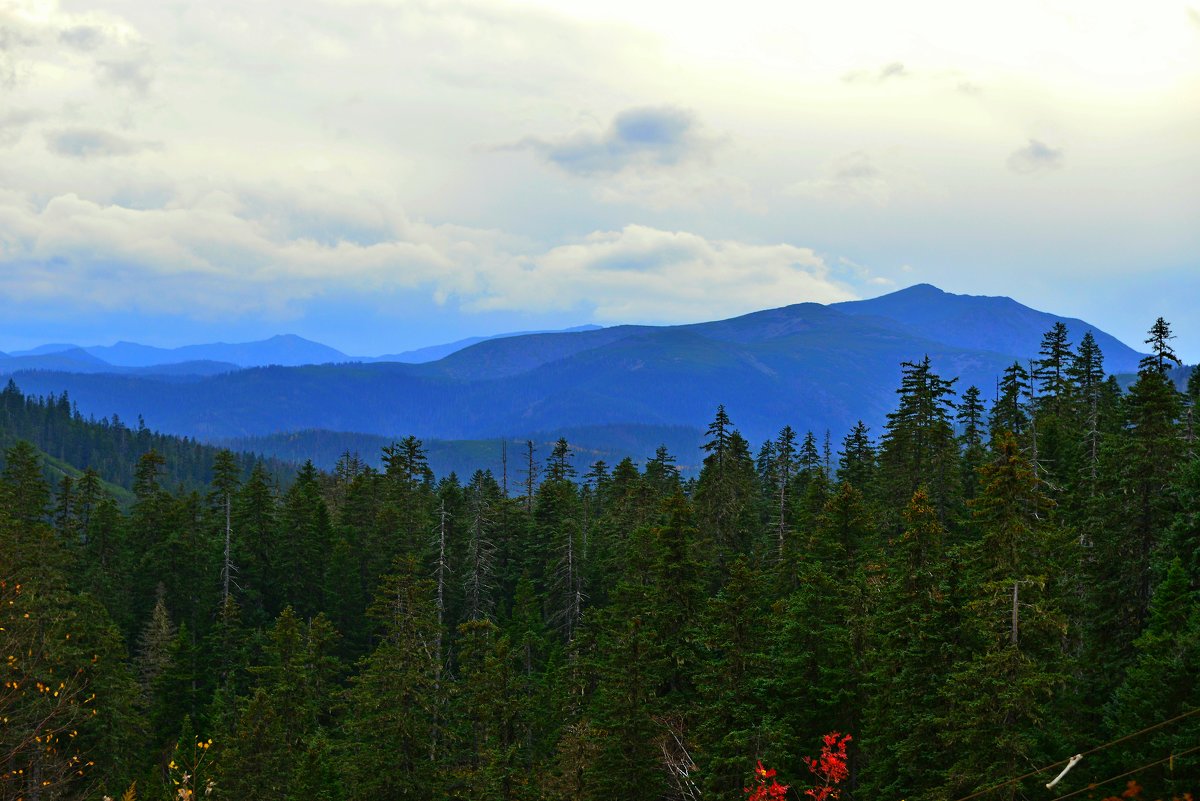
829	768
761	791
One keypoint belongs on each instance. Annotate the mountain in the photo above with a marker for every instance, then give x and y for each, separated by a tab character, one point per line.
432	353
70	359
287	350
812	366
984	323
45	350
78	360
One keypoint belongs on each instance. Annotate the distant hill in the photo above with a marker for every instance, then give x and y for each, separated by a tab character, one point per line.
78	360
984	323
287	350
812	366
71	443
432	353
69	359
608	443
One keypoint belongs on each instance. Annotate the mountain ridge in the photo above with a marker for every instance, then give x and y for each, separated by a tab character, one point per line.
812	366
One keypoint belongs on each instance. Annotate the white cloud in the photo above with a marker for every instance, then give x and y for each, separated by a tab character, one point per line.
1035	157
661	136
893	69
645	274
852	176
84	143
208	259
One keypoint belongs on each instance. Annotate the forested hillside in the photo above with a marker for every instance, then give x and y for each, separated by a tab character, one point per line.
73	444
972	592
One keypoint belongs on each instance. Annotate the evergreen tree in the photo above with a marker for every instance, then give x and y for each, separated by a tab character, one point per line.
733	685
726	491
919	448
970	425
1010	413
912	657
392	701
856	460
1163	682
492	712
1011	666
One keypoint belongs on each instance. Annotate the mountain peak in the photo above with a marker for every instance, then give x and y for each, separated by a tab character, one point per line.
921	289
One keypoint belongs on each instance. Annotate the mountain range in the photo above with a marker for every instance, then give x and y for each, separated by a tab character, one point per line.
816	367
285	350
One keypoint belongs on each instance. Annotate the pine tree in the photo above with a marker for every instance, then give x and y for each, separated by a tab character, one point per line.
392	701
492	713
1011	664
479	569
1141	506
68	721
1162	682
784	466
726	491
225	484
1010	413
857	460
970	424
919	447
912	655
23	491
256	551
733	685
817	654
279	748
304	537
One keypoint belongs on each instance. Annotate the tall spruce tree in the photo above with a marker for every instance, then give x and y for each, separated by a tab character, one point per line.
919	448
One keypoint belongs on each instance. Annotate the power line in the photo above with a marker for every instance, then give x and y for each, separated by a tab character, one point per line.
1094	785
1109	744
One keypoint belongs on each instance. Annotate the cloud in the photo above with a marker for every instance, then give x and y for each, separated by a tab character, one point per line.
135	74
853	176
218	257
1035	157
85	143
894	69
646	274
13	122
648	136
82	37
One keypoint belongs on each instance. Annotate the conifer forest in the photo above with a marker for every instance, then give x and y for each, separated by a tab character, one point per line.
948	607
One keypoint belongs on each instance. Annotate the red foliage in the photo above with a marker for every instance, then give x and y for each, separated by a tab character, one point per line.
761	790
829	768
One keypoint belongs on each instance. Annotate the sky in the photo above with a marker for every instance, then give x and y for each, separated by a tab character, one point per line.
383	174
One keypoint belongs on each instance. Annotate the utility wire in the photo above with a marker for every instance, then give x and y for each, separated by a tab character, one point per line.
1094	785
1109	744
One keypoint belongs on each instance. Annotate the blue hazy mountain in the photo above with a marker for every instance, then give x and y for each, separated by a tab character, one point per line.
287	350
68	359
812	366
45	350
78	360
432	353
984	323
